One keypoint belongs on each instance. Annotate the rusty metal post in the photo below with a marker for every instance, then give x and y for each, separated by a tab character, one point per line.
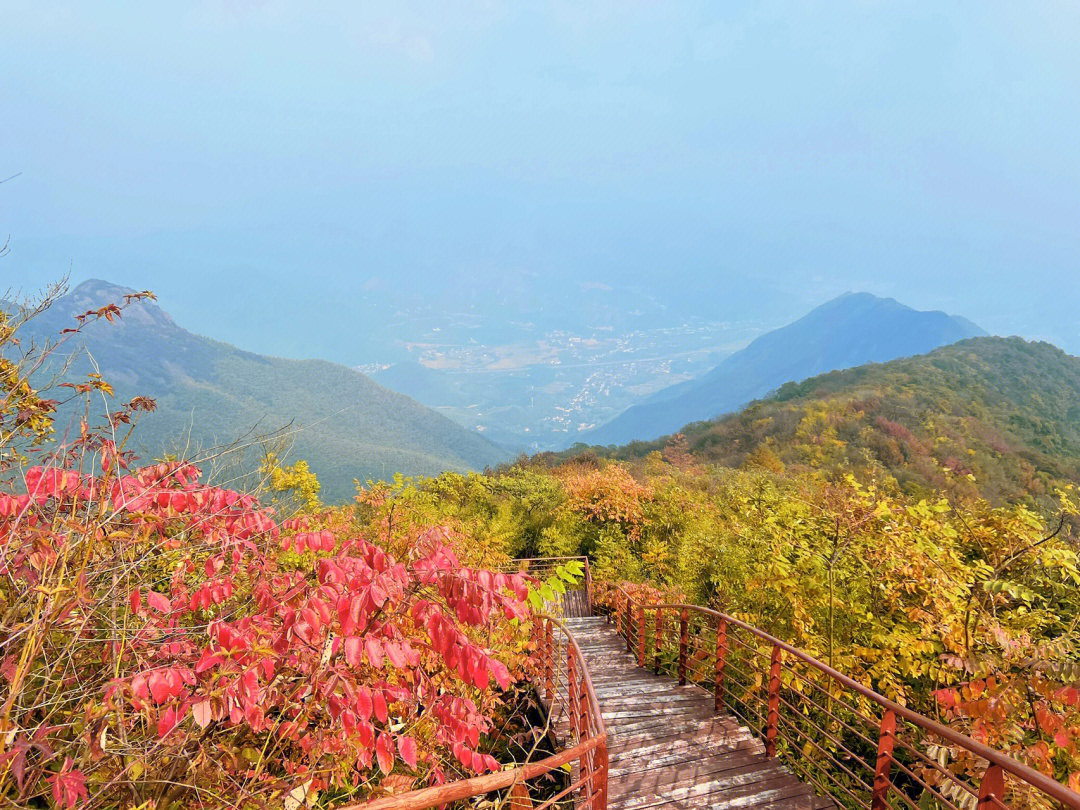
587	764
572	693
657	634
583	706
684	639
641	636
886	740
519	798
721	660
773	720
602	776
992	788
549	662
619	609
588	589
537	638
626	624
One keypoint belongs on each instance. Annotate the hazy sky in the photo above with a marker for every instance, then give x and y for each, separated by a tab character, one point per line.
283	174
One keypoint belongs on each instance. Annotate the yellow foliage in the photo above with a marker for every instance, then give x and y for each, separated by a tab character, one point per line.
294	487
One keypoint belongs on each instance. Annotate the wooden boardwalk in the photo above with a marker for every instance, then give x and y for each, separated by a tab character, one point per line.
667	747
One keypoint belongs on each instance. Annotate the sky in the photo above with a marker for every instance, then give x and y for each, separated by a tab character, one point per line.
313	179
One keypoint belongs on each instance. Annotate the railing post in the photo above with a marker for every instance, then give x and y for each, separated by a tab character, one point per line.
886	739
684	639
626	624
519	798
774	702
549	662
656	639
721	660
641	636
572	692
602	775
583	707
537	638
992	788
588	588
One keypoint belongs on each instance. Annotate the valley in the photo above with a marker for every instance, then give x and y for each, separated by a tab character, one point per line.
543	394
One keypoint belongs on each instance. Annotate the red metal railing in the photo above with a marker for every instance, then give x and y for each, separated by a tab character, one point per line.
850	742
562	681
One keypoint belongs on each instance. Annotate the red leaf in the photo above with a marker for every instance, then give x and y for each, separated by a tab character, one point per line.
68	785
167	721
209	659
396	656
379	701
374	649
364	705
500	673
407	749
136	600
160	689
352	651
138	687
158	602
201	712
384	754
366	733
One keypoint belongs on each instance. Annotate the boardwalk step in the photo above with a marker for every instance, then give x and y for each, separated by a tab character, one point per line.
667	748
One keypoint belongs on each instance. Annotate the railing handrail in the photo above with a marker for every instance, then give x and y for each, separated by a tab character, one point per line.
1040	781
479	785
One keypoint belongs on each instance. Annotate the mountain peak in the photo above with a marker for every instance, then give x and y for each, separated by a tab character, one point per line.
100	288
850	330
95	293
861	303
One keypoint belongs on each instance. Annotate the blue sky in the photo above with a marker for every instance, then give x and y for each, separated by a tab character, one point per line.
288	176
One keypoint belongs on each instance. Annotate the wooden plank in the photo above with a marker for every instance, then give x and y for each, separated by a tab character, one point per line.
680	755
750	769
674	740
667	746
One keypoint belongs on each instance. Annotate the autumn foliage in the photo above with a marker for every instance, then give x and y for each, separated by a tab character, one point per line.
171	643
165	634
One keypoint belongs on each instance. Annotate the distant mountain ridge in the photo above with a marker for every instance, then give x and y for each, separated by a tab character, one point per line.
988	416
848	331
209	393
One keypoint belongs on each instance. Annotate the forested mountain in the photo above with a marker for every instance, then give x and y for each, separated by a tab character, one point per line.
911	523
848	331
994	416
209	393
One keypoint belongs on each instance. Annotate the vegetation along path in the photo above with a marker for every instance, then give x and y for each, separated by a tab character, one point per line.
667	747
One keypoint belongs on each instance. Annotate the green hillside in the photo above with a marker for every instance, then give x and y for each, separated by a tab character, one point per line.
998	417
211	394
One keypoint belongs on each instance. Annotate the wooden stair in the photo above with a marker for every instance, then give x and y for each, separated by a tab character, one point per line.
666	745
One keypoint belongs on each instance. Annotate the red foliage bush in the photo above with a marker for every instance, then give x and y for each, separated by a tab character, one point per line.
165	642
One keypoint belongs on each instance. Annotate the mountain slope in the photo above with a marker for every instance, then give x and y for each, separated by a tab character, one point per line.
848	331
997	417
210	393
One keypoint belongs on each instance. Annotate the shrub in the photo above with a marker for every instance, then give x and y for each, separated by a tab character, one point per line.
168	643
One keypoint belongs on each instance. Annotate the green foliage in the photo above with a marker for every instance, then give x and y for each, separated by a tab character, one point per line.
991	418
550	589
913	595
